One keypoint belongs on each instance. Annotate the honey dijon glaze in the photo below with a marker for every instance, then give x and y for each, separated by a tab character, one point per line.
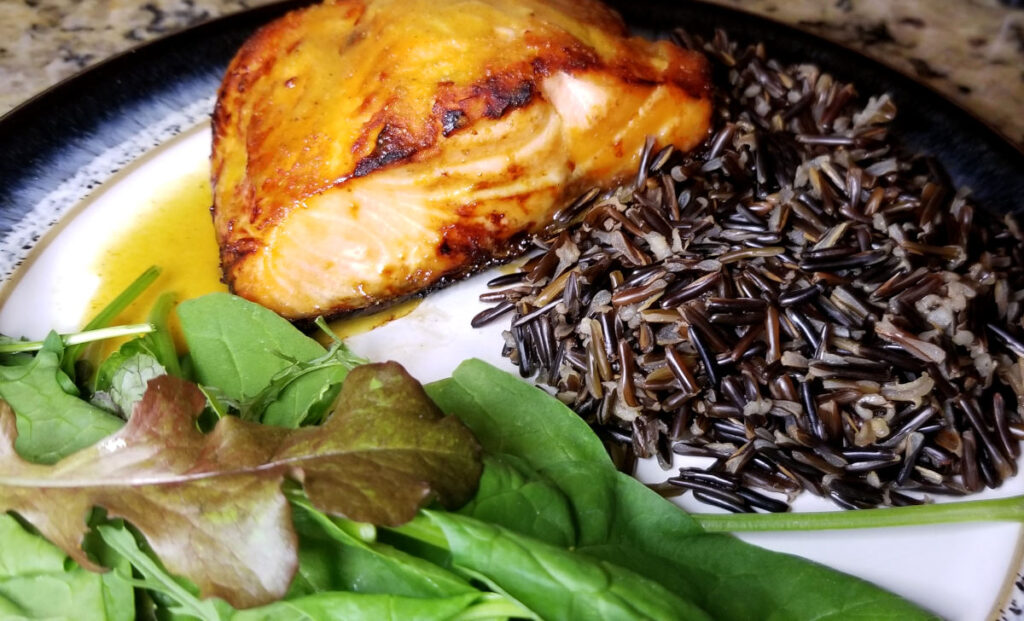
367	150
173	232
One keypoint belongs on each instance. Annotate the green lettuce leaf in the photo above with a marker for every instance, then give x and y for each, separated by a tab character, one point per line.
212	507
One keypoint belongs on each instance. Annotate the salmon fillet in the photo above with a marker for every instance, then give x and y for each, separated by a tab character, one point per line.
365	150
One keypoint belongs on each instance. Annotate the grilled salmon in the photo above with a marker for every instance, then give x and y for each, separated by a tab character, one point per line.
366	150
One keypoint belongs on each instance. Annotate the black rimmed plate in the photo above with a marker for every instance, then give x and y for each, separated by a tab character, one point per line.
65	152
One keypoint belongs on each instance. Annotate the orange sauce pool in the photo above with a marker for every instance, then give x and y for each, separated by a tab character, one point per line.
174	231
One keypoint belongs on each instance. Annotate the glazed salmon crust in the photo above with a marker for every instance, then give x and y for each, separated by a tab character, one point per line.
364	150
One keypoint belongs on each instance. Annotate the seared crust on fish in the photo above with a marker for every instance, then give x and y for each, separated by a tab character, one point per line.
364	150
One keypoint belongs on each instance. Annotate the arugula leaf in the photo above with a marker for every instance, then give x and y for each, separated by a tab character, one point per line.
301	392
157	349
219	403
304	399
622	521
38	582
129	381
318	606
51	422
211	507
156	578
103	378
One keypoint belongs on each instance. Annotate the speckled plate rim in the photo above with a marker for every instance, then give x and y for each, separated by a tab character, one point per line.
112	108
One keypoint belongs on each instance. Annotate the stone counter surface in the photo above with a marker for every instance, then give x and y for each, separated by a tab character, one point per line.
971	50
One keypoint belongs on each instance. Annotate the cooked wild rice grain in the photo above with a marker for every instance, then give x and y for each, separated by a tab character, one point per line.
802	300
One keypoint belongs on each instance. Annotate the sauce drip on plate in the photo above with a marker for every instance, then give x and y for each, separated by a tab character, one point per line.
351	326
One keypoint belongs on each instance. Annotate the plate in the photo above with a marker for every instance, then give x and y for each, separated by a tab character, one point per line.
82	161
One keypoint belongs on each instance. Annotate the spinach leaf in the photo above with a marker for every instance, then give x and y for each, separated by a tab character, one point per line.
708	566
342	606
37	581
513	495
620	520
261	362
501	411
239	346
508	416
553	582
352	564
51	422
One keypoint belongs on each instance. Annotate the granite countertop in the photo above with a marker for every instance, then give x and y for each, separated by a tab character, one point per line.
971	50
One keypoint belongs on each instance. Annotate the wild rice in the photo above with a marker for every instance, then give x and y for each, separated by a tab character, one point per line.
802	301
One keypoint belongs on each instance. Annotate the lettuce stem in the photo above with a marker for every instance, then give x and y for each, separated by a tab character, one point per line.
998	510
80	338
109	313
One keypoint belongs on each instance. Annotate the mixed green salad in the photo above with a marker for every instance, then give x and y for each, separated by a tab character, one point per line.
264	476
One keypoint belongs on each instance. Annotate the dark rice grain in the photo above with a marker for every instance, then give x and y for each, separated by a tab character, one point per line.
800	299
